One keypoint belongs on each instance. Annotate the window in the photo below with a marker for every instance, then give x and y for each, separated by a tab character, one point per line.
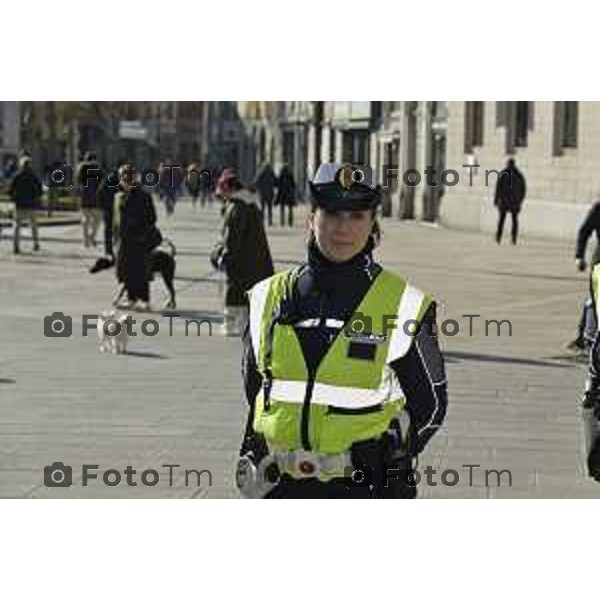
501	114
288	147
522	118
332	139
566	124
347	147
570	124
474	115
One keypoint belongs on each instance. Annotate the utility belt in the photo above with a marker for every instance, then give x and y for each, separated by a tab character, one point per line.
365	464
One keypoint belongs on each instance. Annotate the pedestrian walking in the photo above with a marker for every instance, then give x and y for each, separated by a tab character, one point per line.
342	395
105	197
243	252
192	183
25	192
509	197
265	185
170	182
88	178
206	182
591	224
286	196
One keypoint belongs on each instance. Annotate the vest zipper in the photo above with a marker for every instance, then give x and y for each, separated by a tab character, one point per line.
304	424
310	384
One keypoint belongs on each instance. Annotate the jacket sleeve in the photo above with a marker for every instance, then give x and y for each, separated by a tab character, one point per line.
233	234
497	190
422	375
252	384
592	219
250	373
38	190
12	190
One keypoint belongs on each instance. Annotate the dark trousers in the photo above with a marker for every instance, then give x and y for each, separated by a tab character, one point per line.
205	196
290	214
107	214
313	488
170	198
515	224
266	207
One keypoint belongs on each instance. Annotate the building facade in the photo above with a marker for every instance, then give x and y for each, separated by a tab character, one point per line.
555	144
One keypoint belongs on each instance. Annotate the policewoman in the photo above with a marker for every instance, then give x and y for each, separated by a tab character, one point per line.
342	370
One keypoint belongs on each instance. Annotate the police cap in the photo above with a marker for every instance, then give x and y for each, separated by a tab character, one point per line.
341	187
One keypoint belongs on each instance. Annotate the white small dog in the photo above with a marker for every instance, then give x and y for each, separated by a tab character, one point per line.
112	332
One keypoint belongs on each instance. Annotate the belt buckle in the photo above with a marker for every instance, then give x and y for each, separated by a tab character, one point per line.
305	466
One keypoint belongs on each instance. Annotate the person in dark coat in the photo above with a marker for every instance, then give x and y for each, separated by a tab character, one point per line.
171	179
105	197
243	253
510	193
590	225
265	185
25	191
88	180
135	223
286	195
192	182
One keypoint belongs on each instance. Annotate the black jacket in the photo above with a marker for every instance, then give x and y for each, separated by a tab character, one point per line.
25	189
510	189
138	217
590	225
265	183
286	188
246	253
328	290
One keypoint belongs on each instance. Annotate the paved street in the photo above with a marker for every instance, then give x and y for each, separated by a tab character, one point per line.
178	400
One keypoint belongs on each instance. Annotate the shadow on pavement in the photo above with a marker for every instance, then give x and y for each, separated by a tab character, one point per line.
202	279
456	356
146	355
3	380
533	275
192	253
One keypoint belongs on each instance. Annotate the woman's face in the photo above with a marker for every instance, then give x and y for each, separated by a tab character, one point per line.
340	235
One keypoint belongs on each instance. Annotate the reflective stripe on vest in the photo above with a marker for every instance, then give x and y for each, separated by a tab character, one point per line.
409	310
258	298
338	396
